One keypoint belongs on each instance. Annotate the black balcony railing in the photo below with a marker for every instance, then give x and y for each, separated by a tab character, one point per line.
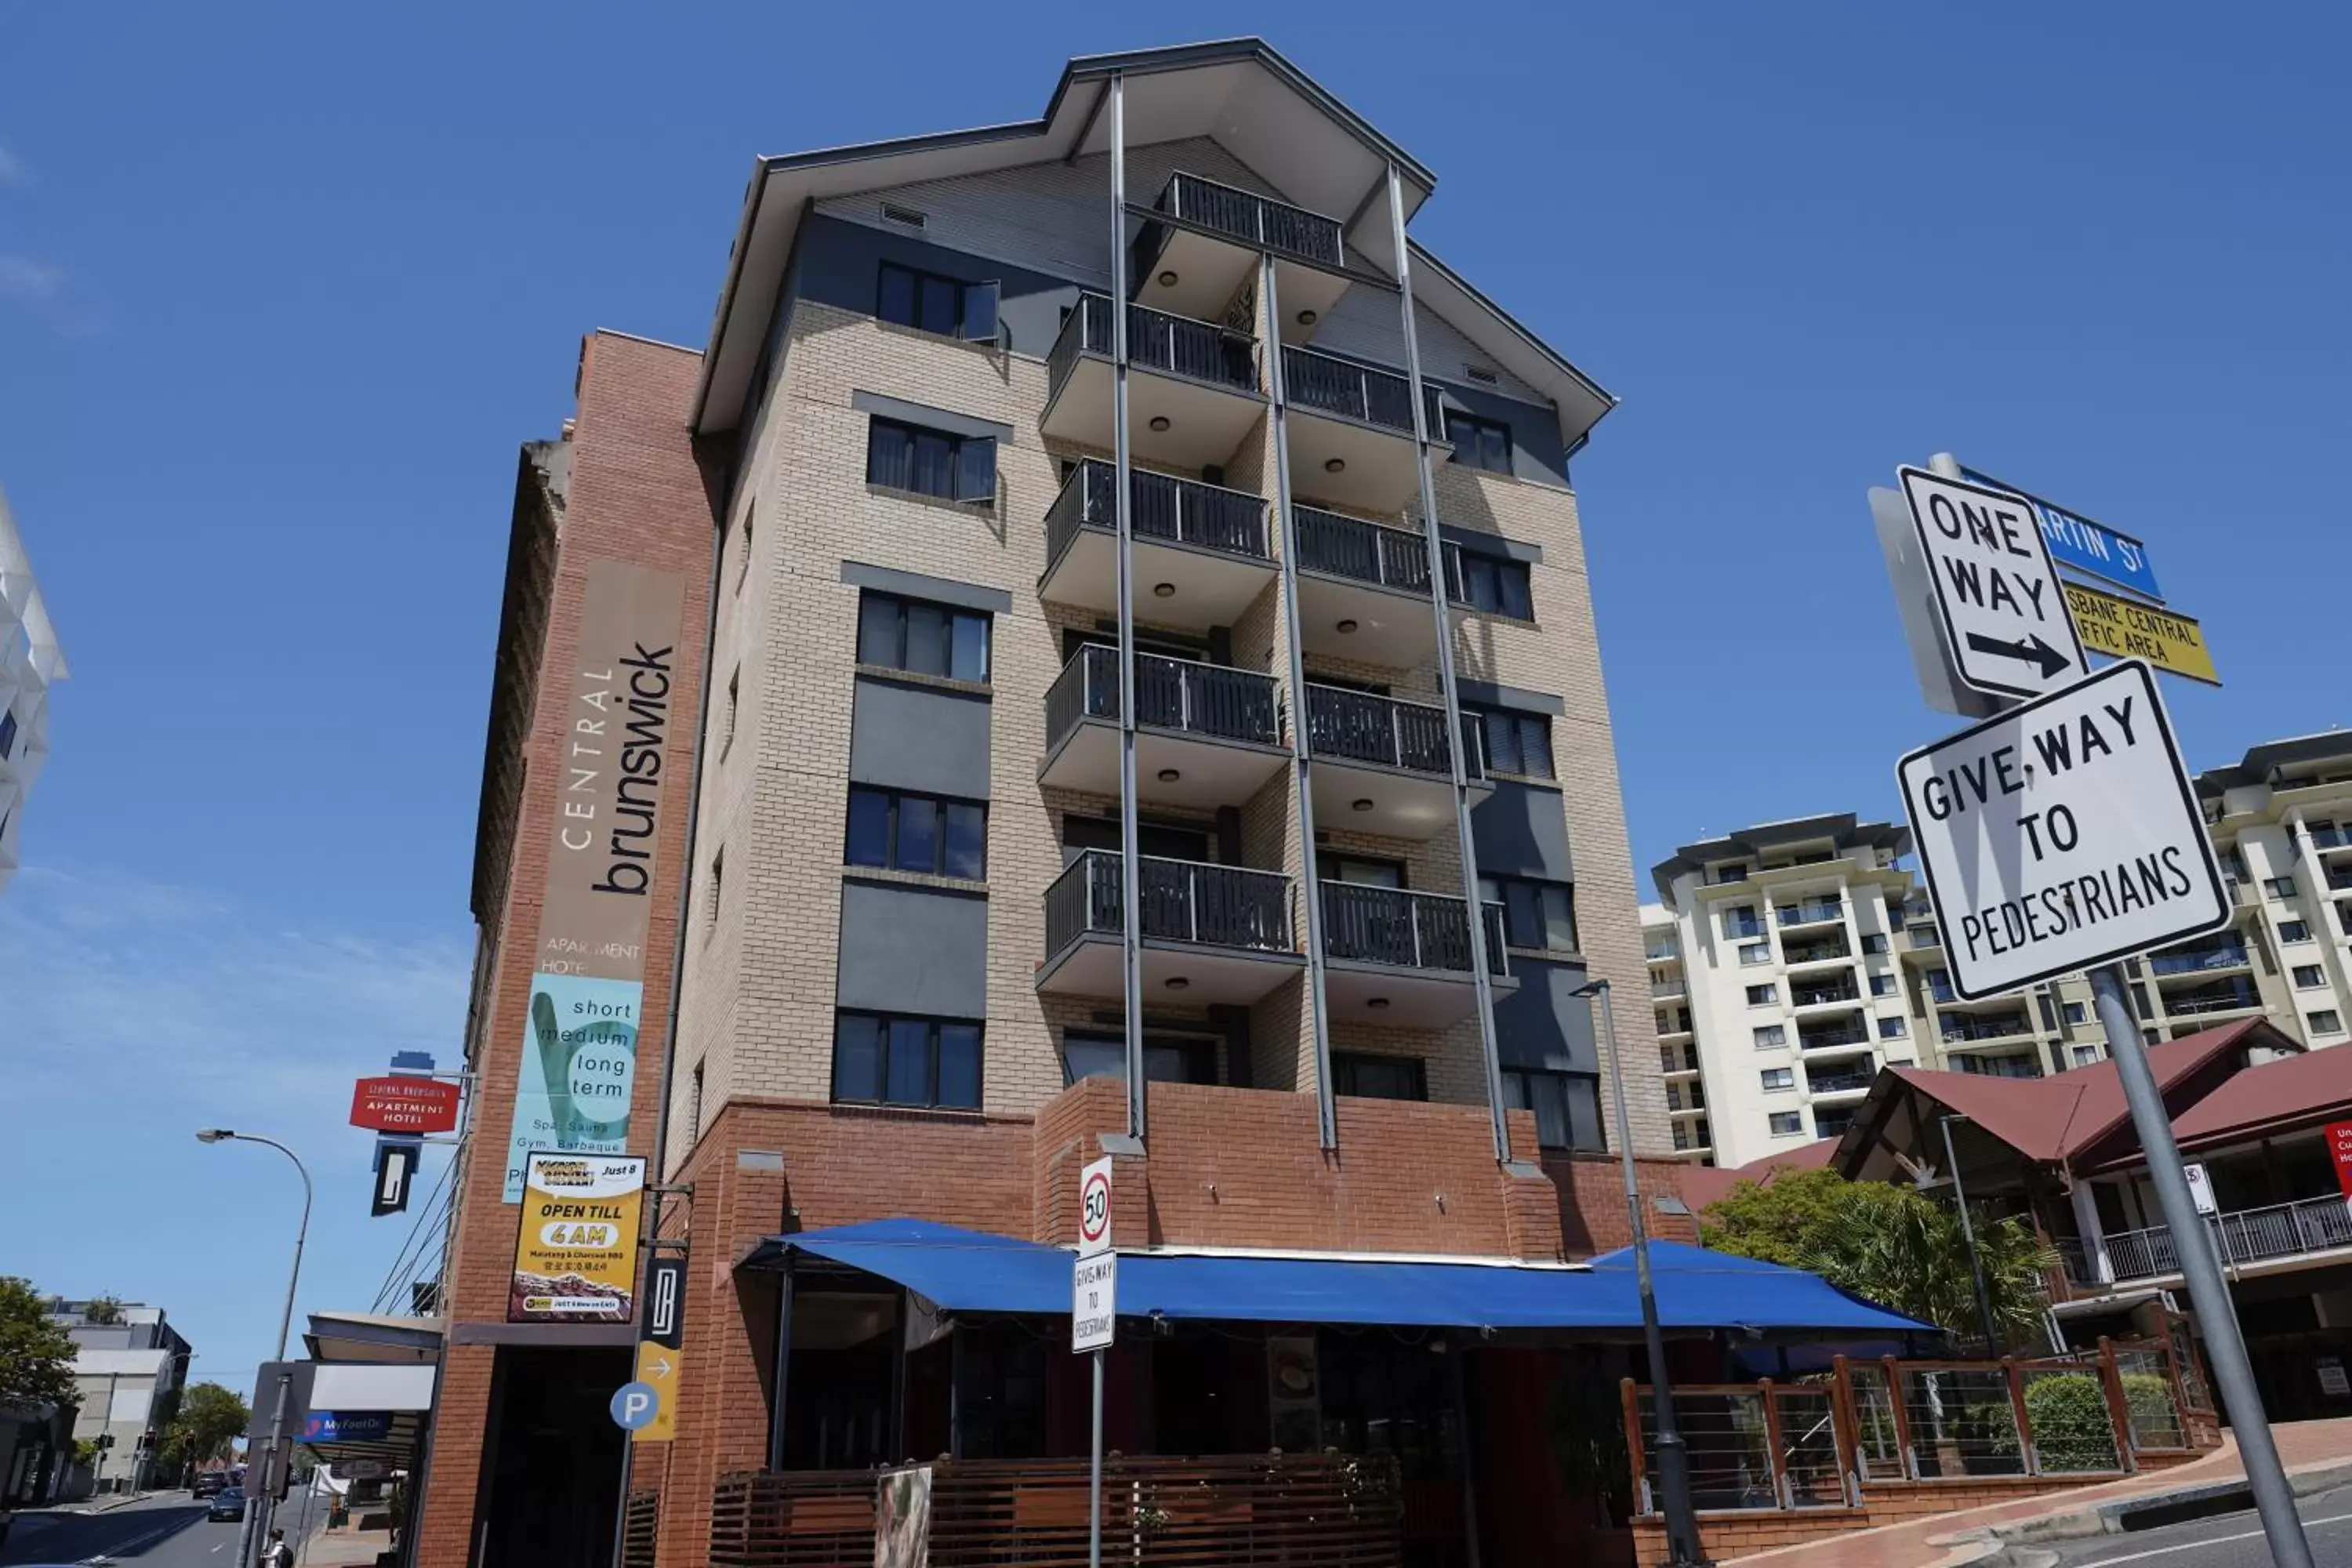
1251	219
2211	999
1176	345
1367	551
1180	901
1807	914
1210	701
1363	727
1820	995
1353	391
2008	1028
2196	960
1162	507
1831	1039
1413	930
1815	952
1837	1082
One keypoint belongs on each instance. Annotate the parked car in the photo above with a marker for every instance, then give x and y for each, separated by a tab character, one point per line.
228	1503
212	1483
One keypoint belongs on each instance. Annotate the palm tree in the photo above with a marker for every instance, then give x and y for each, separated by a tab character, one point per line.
1913	1256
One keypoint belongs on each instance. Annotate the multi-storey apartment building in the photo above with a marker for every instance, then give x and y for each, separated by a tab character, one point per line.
1729	999
1109	669
30	659
130	1367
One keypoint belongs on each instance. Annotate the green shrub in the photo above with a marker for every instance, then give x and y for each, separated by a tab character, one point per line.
2148	1397
2072	1429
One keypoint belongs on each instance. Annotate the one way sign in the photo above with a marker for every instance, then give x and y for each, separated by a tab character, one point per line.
2004	611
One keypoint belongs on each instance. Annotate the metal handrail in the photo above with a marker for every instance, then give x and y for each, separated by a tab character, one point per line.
1326	385
2247	1235
1163	508
1406	928
1346	725
1257	220
1367	552
1213	700
1156	340
1807	914
1180	901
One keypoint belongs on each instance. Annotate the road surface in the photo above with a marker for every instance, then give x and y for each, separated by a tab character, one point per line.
167	1530
2225	1540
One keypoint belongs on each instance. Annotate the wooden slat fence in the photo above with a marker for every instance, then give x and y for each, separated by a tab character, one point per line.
794	1519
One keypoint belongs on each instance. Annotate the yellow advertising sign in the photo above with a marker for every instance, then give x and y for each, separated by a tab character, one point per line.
2128	629
576	1249
657	1370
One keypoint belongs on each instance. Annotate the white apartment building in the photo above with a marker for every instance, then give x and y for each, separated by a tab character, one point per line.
129	1368
30	659
1789	961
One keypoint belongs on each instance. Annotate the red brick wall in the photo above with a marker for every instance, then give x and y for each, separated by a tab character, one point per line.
636	494
1592	1217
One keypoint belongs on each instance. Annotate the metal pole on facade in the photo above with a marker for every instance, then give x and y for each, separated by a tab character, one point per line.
249	1529
1326	1116
1473	907
1673	1457
1969	1234
2208	1292
1094	1471
1130	895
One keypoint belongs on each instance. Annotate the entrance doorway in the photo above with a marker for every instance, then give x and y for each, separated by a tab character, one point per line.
553	1466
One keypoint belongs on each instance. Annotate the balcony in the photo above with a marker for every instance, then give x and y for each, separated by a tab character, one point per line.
1351	431
1207	735
1403	957
2015	1026
1688	1098
1208	546
1201	379
2198	959
1842	1041
1693	1138
1678	1021
1363	590
1922	938
1220	935
1845	994
2247	1235
1674	1060
1381	765
1808	914
2198	1000
1204	245
1821	950
1664	990
1821	1084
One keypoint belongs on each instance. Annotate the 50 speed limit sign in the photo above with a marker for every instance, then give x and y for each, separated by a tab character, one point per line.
1094	1208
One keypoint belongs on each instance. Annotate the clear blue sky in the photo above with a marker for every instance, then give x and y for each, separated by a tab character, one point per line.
282	286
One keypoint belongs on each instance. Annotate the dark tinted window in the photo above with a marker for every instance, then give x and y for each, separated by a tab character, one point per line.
928	638
917	833
1491	583
1377	1077
1566	1106
1517	742
931	462
1166	1058
937	304
1534	914
882	1059
1479	443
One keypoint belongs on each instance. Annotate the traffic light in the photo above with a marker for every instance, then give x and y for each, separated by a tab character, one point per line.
147	1438
106	1439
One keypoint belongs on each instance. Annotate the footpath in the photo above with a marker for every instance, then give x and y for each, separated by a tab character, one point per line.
2317	1456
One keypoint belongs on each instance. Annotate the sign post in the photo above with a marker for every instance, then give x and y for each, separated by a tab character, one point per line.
1094	1320
2063	833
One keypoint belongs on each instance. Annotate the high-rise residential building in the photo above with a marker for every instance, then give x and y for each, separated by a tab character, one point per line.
1756	986
30	659
130	1366
912	895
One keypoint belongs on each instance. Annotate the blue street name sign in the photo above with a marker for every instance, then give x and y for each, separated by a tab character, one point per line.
2080	545
347	1426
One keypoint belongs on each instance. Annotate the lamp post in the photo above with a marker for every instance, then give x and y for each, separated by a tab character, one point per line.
247	1531
1673	1457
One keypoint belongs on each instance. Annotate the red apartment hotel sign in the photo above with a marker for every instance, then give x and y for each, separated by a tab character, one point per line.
404	1103
2339	1149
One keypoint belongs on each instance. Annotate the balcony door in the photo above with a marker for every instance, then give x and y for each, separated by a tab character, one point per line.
1167	841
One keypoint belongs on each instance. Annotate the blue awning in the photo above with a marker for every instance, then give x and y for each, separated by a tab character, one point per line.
971	1271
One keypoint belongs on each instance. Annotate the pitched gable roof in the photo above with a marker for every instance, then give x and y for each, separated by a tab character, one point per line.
2307	1090
1703	1185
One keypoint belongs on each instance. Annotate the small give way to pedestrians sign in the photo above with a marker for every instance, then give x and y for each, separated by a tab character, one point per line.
1094	1275
2061	834
2003	609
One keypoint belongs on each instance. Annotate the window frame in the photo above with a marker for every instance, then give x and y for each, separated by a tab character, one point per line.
894	800
1776	1079
1901	1030
1771	995
903	606
1524	1080
963	291
2295	972
1772	1120
957	464
1345	1064
1780	1033
1516	723
2294	930
1199	1055
1501	575
2334	1024
1480	455
933	1025
1498	889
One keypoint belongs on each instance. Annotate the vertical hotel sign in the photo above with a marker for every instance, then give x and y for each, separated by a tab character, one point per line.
579	1060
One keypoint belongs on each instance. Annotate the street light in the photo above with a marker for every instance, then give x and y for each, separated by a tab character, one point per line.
1673	1458
285	1320
1969	1234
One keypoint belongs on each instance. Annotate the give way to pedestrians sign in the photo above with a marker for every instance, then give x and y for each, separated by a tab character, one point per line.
2003	609
2061	834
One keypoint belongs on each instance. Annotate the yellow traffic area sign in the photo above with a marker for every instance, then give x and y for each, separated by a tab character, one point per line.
2127	629
657	1370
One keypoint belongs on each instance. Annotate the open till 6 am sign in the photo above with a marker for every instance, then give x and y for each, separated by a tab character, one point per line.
2062	834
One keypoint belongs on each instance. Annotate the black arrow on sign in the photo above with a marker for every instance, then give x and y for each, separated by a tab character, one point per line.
2031	649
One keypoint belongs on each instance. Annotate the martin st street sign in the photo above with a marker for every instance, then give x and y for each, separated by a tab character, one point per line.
2003	609
2061	834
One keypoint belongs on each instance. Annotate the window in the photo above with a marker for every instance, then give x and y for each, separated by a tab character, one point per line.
1166	1058
1479	443
2086	1055
1755	952
1832	1123
903	456
718	882
2280	887
1736	872
734	695
1080	834
919	635
917	833
1763	996
1771	1037
2076	1013
880	1058
743	570
1780	1078
1492	584
1874	942
8	733
1741	921
1377	1077
1566	1107
2294	930
1517	742
694	1105
1890	1028
934	304
1359	869
2324	1022
1787	1123
1881	985
2308	976
1534	914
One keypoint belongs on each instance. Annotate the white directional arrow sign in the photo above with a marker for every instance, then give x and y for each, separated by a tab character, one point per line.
2004	611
